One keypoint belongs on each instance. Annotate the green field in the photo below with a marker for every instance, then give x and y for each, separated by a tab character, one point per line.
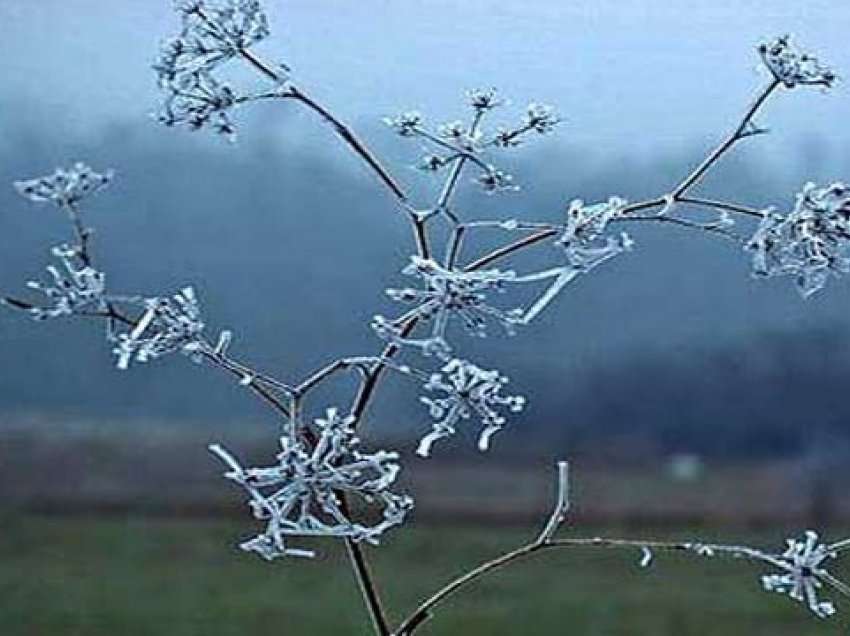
134	576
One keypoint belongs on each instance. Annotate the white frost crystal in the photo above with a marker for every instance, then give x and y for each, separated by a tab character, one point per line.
75	288
302	495
468	390
66	186
167	325
794	67
584	240
804	574
808	243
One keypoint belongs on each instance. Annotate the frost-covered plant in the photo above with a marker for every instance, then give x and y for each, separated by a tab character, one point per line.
303	494
467	391
809	242
322	484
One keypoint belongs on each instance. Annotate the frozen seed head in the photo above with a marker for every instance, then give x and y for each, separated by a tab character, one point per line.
405	124
301	495
66	186
467	391
804	574
792	66
809	243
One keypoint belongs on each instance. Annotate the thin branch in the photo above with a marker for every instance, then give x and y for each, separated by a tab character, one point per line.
562	504
723	205
545	541
367	587
736	135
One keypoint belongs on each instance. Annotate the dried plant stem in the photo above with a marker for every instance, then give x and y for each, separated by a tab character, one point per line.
736	135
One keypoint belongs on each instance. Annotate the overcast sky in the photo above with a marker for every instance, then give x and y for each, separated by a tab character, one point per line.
626	74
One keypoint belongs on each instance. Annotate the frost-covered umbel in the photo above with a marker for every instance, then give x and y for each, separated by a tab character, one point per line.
302	495
213	32
166	326
467	391
803	574
449	292
808	243
66	186
454	143
794	67
75	288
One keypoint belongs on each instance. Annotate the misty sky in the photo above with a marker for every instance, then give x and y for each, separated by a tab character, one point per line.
644	87
627	75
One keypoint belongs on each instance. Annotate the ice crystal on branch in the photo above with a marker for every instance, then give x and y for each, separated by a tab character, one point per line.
65	187
166	326
302	494
468	391
450	292
809	242
75	288
793	67
804	574
584	240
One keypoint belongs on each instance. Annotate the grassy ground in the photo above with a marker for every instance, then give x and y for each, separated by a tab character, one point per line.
139	576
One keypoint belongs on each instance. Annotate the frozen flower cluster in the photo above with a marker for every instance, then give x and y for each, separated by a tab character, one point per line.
65	187
458	142
166	326
75	288
198	100
466	390
808	243
584	240
803	574
302	495
794	67
212	33
447	293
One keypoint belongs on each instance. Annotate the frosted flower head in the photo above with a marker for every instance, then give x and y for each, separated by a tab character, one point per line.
75	288
584	241
467	391
166	326
809	243
212	32
483	100
300	496
803	574
794	67
66	186
197	100
405	124
541	119
494	180
447	293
